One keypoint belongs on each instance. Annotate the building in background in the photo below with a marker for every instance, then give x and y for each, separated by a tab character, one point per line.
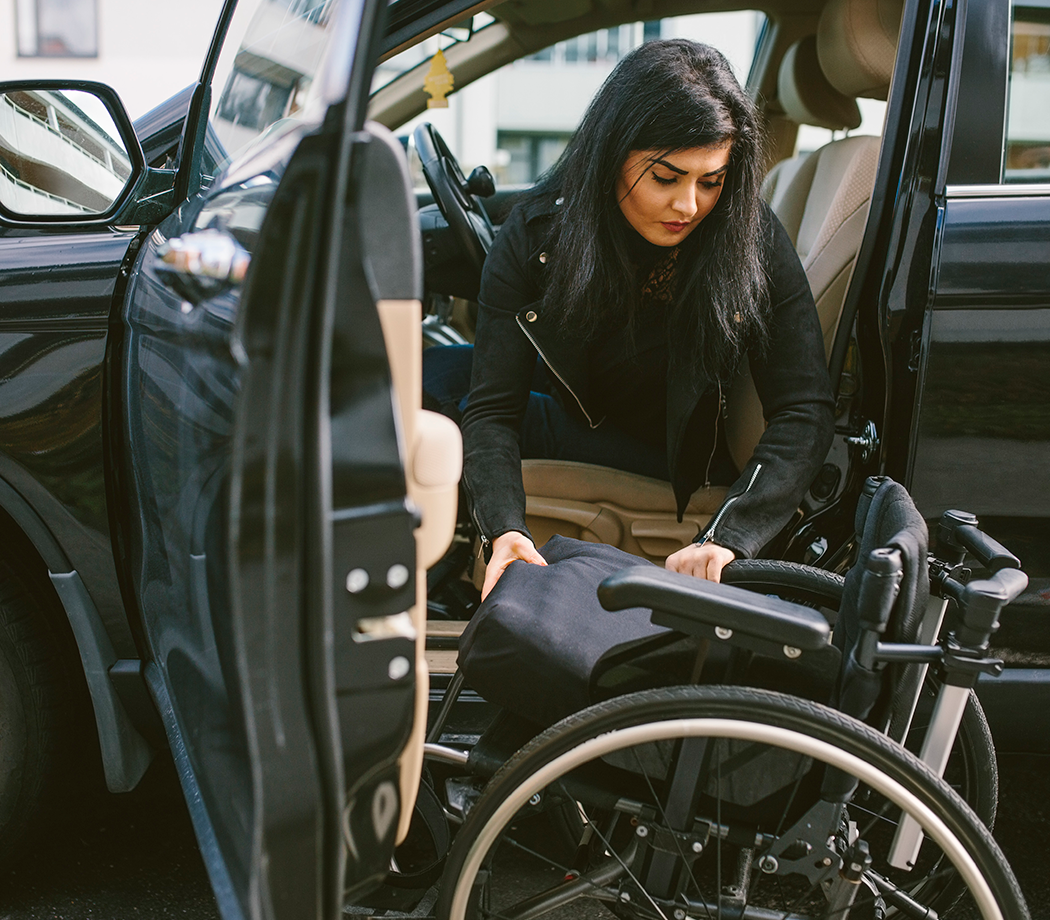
515	120
146	50
60	153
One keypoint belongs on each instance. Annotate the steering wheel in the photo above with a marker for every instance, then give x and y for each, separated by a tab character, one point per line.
456	198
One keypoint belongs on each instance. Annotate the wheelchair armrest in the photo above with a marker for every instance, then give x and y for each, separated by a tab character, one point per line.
695	606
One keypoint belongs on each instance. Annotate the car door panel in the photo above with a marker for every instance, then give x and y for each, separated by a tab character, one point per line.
271	538
56	299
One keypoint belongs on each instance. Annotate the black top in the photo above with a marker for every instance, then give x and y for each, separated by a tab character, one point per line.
627	364
627	378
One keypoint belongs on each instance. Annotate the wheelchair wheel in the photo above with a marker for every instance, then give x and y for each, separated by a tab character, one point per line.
703	802
972	770
801	584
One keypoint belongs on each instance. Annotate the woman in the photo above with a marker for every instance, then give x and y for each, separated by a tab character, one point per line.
642	269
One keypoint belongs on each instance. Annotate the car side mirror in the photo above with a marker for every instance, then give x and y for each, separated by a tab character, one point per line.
68	154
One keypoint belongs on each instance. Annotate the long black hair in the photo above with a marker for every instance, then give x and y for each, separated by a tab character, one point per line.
664	96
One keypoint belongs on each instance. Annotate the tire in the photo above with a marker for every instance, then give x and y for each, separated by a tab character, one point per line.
607	761
792	581
36	709
972	769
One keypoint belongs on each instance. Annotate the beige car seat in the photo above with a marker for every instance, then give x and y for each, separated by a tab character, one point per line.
822	200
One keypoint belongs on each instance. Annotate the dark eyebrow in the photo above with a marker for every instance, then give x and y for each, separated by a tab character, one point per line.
674	169
682	172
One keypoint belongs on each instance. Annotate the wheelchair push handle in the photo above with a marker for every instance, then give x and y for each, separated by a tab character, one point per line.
981	603
958	532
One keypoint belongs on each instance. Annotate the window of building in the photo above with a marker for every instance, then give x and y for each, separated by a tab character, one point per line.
603	46
528	155
57	28
1027	156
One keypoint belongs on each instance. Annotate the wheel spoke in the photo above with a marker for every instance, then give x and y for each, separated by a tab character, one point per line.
735	764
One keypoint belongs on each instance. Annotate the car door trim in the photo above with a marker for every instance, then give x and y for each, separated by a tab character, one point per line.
998	191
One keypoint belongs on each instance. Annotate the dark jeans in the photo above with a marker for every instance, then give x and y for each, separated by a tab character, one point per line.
548	431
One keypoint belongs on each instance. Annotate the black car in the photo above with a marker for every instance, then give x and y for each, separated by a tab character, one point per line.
220	496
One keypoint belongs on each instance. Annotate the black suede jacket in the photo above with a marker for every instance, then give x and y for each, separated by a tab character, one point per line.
791	378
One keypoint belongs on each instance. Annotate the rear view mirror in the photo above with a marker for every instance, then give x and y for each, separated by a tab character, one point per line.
67	151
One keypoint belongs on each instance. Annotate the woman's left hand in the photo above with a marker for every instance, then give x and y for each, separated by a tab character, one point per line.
701	561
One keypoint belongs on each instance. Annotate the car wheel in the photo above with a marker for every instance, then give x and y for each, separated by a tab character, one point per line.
35	708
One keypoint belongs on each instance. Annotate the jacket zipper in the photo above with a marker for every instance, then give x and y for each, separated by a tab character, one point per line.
486	543
720	411
710	534
554	371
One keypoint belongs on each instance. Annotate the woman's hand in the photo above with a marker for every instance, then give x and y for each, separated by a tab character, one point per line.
505	549
702	561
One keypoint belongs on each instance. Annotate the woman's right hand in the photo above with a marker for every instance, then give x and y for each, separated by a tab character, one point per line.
505	549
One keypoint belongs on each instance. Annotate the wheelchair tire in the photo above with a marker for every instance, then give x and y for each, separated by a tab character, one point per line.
615	761
972	770
792	581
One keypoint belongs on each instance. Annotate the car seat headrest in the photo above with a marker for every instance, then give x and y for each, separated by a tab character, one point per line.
857	45
806	95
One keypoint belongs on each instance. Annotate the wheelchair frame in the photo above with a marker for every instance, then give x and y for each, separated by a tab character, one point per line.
652	876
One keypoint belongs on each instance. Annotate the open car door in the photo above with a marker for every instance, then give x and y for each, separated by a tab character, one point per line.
272	536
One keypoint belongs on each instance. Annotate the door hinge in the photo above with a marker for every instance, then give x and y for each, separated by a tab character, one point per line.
867	441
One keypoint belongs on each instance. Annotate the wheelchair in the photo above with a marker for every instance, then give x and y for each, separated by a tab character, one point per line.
866	793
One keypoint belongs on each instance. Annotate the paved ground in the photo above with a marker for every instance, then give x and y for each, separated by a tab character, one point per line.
134	857
126	857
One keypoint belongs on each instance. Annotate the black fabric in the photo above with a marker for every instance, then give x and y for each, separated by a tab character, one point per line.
536	644
542	648
629	377
790	376
889	519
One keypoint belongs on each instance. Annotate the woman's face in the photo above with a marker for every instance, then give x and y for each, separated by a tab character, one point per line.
664	196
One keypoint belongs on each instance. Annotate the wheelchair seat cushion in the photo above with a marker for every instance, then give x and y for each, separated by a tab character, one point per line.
536	644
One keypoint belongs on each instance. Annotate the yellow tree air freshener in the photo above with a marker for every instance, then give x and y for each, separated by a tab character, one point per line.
438	82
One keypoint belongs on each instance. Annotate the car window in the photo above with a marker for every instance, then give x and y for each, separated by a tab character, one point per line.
518	119
872	114
1027	156
264	78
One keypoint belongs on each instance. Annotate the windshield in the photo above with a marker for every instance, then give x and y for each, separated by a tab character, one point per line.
517	118
418	54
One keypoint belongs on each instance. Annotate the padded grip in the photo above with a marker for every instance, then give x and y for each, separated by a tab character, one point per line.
681	602
991	553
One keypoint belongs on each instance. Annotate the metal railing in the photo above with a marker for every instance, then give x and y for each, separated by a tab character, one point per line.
25	113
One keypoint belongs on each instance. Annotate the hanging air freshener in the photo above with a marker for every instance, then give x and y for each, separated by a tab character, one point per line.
438	82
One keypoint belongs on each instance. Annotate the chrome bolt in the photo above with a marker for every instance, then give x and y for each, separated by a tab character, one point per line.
397	576
723	632
791	652
768	864
356	581
679	914
698	847
625	896
642	830
826	861
535	800
398	667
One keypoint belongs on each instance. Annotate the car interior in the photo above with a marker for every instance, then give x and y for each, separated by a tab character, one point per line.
811	66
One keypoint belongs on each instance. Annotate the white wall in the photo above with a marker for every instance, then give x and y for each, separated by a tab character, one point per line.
147	49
